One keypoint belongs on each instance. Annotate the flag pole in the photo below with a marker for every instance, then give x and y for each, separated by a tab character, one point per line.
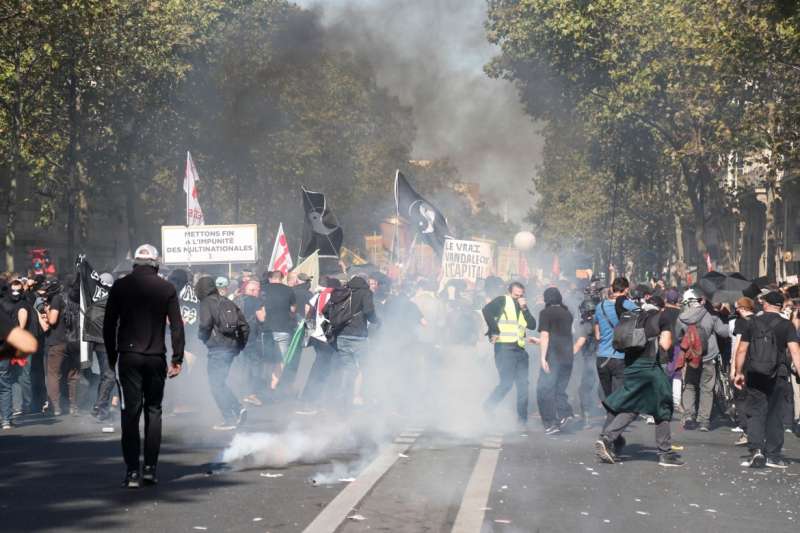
186	186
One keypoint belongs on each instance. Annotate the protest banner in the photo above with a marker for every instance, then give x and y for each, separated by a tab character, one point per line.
468	260
236	243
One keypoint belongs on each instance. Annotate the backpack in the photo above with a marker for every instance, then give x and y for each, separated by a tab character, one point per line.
690	350
230	322
629	333
763	355
338	312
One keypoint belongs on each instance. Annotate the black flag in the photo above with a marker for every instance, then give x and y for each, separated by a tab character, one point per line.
321	230
427	221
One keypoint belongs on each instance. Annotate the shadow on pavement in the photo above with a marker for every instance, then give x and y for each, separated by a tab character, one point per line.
51	482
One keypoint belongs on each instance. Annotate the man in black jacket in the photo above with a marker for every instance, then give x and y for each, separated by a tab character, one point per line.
351	341
93	333
221	351
134	330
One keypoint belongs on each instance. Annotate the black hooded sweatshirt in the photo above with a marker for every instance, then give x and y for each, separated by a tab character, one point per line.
363	309
136	316
209	297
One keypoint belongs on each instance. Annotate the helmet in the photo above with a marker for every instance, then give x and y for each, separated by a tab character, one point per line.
587	308
221	282
146	254
691	297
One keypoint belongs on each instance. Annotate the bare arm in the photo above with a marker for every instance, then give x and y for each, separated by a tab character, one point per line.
579	344
794	352
22	317
665	340
544	341
24	342
43	323
261	314
741	355
52	316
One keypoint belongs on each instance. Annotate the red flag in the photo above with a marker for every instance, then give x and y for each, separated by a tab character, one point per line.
194	214
281	258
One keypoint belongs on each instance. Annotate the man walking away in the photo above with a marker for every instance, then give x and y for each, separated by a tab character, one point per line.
646	390
224	330
93	333
745	310
697	330
279	302
508	318
769	344
555	327
611	362
349	312
137	311
253	353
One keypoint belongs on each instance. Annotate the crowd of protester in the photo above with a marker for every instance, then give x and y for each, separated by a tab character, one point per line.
692	364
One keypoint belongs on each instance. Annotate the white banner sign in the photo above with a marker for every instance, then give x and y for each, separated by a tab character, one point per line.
183	245
470	260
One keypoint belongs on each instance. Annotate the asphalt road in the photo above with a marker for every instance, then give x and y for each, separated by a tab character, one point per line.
64	474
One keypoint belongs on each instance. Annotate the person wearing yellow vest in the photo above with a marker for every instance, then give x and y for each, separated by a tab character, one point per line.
508	318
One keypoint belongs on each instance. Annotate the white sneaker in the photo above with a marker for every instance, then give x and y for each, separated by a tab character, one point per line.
224	426
737	429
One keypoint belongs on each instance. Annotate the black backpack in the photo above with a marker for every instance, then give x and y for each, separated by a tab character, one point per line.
230	322
763	354
629	333
338	312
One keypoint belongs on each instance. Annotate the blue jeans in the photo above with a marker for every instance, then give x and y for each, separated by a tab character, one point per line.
512	364
282	340
219	365
9	374
345	368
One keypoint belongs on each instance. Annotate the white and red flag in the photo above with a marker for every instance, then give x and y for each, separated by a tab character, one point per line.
281	258
194	213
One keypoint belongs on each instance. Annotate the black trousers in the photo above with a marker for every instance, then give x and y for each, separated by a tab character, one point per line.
766	400
512	366
141	380
611	373
551	392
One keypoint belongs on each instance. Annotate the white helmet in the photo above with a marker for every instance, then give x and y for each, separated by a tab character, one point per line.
146	254
691	297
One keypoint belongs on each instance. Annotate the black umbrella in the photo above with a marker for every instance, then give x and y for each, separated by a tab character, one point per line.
721	288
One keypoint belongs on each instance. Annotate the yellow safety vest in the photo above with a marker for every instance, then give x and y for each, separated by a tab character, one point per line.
512	328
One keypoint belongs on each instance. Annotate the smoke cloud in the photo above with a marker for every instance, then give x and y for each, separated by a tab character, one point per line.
431	55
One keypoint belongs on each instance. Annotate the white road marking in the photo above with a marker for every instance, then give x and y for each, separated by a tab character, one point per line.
336	512
476	496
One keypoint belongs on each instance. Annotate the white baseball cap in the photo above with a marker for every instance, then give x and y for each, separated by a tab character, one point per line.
146	254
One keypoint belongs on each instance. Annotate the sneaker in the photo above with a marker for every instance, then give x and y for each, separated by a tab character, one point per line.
651	421
224	426
619	445
601	447
73	411
7	425
149	475
689	425
241	418
777	462
552	430
17	413
566	420
704	429
757	460
741	441
737	429
253	400
670	459
132	480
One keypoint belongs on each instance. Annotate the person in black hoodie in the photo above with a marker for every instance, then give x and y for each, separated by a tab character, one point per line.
351	340
134	329
93	333
221	351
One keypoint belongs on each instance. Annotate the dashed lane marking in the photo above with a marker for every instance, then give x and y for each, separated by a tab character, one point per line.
476	496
